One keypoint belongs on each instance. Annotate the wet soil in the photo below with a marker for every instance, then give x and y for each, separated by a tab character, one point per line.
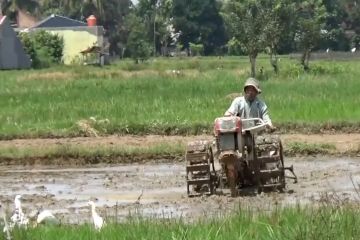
159	190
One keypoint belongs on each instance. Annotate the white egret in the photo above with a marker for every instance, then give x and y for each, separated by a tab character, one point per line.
353	50
46	217
19	218
97	220
17	202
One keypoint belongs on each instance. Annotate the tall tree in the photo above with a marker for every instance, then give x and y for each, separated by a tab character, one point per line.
248	21
199	22
335	38
99	6
311	16
165	29
11	7
352	19
69	8
48	7
280	20
114	23
137	43
158	20
148	9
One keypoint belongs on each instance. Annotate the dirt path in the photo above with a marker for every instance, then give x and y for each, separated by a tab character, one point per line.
161	189
342	142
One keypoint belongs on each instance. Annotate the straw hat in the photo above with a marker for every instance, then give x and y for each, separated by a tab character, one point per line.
252	82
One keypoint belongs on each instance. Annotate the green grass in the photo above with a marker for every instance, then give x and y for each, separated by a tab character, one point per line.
149	98
309	223
301	148
114	154
84	154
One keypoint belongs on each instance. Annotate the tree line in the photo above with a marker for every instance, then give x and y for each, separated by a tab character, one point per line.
213	27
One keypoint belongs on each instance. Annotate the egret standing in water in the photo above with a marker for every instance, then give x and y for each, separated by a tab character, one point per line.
19	218
97	220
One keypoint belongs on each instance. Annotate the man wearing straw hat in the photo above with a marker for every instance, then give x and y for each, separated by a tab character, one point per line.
249	106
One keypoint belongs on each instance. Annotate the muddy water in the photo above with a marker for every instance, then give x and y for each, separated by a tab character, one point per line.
159	190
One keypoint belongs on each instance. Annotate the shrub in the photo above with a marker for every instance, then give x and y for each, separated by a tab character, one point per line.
327	69
137	43
140	49
43	48
356	40
51	42
196	49
29	48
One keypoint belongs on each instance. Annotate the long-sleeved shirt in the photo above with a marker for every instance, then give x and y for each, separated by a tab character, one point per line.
245	109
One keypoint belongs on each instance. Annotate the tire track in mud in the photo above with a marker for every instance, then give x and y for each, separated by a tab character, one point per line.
162	189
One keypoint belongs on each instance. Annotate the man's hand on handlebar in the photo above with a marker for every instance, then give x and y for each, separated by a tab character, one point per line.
271	128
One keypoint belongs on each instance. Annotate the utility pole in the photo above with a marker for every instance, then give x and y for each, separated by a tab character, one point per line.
155	6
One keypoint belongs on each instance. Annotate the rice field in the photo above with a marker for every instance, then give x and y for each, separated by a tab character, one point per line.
172	96
180	96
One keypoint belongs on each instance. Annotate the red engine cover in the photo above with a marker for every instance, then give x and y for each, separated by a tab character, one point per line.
227	124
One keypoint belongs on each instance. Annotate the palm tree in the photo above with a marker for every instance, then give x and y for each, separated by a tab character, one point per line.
77	8
99	5
11	6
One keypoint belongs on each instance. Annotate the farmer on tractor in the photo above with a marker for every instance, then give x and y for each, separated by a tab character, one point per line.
249	106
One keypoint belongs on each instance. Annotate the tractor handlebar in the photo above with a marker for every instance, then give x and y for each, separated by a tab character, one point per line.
259	127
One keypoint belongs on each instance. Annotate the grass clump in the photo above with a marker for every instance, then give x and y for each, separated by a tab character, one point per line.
59	154
302	148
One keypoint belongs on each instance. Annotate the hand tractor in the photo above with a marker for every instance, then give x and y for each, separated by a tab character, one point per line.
246	159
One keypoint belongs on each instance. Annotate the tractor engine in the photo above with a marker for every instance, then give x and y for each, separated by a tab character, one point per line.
228	135
233	147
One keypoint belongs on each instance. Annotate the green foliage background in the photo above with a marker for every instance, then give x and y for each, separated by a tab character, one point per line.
43	48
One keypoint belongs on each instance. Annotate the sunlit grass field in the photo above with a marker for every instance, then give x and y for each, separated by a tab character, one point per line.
173	96
326	222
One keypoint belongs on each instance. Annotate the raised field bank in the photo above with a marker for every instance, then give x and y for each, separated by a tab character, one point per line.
117	135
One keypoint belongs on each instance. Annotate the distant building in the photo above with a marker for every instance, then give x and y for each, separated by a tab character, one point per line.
12	53
77	36
56	21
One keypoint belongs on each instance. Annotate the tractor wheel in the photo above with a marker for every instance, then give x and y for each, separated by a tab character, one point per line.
271	159
281	166
232	178
213	177
199	176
